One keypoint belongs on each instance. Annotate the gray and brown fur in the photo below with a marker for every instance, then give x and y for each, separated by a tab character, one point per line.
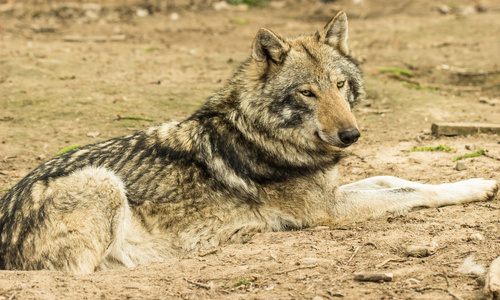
259	156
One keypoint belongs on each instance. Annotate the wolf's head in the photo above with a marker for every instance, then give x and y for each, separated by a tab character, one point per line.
285	113
305	87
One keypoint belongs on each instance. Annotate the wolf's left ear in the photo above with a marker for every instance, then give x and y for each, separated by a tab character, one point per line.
335	33
267	46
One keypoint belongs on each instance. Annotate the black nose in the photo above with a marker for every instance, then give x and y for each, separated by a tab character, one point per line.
349	137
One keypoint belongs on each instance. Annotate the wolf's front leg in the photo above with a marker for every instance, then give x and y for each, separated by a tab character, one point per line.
385	195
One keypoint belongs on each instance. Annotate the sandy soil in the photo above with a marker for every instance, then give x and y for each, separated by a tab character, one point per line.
55	93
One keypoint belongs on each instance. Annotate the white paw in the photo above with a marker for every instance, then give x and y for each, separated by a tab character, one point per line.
476	189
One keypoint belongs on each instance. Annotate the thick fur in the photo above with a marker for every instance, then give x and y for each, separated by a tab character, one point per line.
259	156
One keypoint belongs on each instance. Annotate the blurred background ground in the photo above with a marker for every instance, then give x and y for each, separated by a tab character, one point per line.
69	69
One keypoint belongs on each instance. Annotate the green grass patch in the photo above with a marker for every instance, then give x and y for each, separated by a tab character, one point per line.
240	21
241	282
437	148
6	189
67	149
475	154
150	49
396	71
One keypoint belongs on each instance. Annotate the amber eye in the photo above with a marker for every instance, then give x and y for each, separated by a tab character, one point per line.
307	93
341	84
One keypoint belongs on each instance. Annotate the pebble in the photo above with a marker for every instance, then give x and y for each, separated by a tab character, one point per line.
421	251
476	237
460	166
174	16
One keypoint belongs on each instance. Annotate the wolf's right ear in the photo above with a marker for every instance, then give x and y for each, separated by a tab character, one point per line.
268	47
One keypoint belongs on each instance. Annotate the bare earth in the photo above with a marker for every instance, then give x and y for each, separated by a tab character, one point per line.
54	94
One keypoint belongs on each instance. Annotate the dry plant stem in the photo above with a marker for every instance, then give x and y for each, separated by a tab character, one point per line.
295	269
354	254
199	284
388	261
440	289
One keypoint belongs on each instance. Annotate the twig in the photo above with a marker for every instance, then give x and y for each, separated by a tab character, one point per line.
439	289
354	254
389	260
295	269
199	284
445	278
490	156
134	118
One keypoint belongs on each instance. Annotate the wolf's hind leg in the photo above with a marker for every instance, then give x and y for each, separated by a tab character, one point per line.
386	195
79	217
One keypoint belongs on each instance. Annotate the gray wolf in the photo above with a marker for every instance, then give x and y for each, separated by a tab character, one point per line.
260	155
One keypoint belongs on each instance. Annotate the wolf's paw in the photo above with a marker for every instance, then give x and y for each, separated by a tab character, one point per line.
479	189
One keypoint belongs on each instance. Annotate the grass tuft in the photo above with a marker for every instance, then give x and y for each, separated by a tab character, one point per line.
67	149
241	282
475	154
437	148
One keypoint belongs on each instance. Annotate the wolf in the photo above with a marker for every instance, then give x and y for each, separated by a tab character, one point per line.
260	155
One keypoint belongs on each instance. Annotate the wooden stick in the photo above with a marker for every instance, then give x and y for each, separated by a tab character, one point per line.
463	128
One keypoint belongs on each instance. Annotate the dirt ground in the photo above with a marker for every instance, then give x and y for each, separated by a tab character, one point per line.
56	93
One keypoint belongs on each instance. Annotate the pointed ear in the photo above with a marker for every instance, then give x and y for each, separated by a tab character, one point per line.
335	33
267	46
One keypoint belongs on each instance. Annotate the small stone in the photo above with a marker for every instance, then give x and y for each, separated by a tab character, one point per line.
444	9
460	166
174	16
468	10
142	12
421	251
476	237
272	256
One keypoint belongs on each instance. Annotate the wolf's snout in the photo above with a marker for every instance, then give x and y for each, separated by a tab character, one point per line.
349	137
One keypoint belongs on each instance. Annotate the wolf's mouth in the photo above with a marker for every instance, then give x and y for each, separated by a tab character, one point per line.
332	141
